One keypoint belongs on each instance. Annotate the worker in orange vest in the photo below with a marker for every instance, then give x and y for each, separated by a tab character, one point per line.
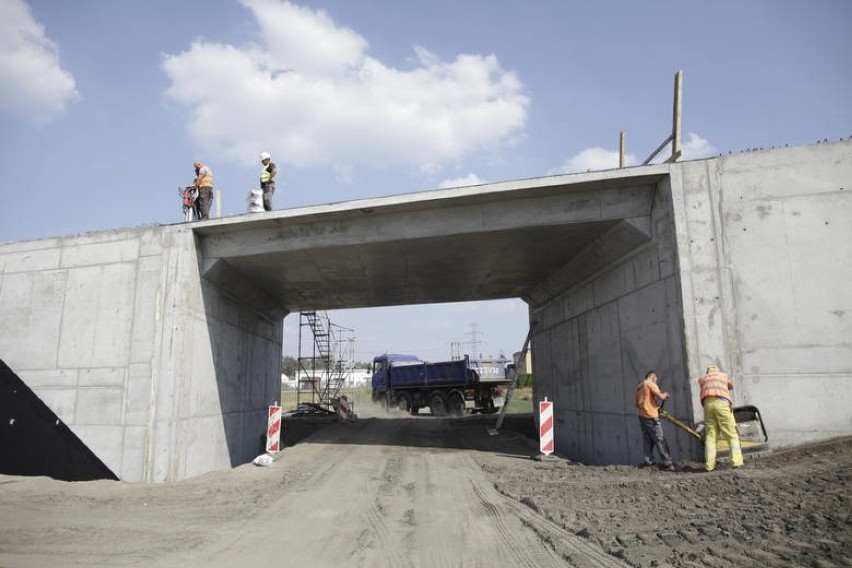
204	183
647	394
718	401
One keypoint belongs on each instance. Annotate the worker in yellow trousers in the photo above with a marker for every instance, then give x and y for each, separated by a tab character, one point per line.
717	400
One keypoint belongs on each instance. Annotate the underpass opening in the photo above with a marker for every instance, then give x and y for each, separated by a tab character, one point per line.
488	333
562	249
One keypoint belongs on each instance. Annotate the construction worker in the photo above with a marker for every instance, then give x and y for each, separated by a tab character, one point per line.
647	394
267	179
717	400
204	183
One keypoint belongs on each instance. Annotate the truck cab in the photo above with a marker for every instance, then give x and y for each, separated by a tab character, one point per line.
381	371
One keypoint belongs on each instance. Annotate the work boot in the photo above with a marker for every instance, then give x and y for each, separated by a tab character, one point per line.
669	467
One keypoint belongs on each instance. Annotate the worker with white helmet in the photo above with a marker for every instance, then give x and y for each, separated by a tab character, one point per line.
267	179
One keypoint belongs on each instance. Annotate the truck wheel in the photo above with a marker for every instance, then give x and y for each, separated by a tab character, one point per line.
404	402
437	405
455	404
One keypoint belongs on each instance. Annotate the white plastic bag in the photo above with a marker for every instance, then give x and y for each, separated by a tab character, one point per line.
255	201
263	460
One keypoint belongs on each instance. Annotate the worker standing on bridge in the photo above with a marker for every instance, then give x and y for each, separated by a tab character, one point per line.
204	183
647	394
717	400
267	179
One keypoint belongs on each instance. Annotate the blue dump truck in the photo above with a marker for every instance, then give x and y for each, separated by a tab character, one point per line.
447	388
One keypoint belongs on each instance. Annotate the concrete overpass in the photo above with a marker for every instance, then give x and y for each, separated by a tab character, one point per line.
474	243
160	346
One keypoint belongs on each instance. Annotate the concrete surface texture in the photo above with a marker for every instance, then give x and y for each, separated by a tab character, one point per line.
746	268
765	261
160	346
159	374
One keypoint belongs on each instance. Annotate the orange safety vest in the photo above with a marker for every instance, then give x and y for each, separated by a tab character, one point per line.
716	384
646	399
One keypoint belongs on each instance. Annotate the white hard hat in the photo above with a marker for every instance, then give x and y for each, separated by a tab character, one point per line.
265	156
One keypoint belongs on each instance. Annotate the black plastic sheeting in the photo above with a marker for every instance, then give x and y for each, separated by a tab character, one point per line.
34	441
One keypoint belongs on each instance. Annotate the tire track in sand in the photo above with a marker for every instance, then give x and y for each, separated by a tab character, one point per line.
519	556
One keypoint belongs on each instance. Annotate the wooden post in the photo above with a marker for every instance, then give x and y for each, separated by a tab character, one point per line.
676	116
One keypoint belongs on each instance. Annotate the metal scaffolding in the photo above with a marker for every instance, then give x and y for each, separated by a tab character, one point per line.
326	359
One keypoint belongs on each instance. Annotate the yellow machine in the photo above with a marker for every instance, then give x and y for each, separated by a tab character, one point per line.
750	427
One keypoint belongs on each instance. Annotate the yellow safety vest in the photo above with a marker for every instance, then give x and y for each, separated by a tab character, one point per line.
266	174
206	180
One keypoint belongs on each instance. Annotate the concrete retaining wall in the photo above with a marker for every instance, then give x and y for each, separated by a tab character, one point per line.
749	267
115	332
765	267
594	344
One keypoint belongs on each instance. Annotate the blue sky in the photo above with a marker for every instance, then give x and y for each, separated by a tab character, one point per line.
104	106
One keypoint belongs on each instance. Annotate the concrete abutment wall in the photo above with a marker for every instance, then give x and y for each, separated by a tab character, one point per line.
765	265
594	343
749	267
162	376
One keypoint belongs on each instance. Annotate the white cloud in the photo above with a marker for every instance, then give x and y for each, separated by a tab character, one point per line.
696	148
299	39
469	179
32	83
593	159
312	96
596	159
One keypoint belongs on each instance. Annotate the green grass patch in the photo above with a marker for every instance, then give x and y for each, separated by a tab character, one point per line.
521	401
360	396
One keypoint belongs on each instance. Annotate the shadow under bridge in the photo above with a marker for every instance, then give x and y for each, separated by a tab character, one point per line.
530	239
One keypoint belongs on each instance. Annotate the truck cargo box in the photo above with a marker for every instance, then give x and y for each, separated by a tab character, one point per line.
447	387
450	373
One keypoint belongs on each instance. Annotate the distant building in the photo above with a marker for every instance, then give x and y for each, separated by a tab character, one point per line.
353	379
524	367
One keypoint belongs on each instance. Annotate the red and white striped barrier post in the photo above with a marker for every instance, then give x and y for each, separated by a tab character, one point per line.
343	408
545	430
273	429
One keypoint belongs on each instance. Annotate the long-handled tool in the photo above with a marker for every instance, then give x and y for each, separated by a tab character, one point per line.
514	372
683	425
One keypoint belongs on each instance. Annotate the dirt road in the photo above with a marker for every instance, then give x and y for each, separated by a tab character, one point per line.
419	491
394	492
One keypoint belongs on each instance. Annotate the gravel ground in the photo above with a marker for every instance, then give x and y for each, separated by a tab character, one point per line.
789	507
395	490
